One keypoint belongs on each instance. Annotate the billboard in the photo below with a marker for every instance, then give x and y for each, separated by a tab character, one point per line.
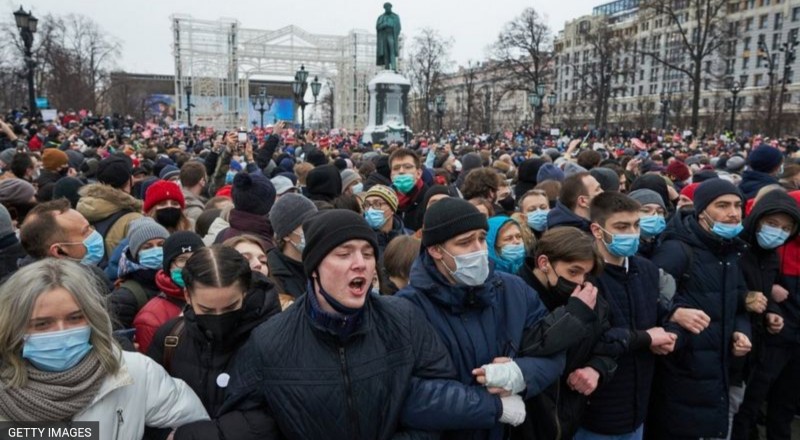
282	110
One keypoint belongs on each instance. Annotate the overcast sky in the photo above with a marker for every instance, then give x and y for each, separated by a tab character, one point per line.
143	26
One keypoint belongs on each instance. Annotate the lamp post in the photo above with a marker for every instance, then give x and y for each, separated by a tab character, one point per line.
299	88
189	105
536	101
735	89
429	106
551	102
666	99
263	101
441	106
27	25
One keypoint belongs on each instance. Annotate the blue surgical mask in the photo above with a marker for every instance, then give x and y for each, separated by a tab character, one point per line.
177	277
727	231
152	258
513	252
229	177
622	245
58	350
404	182
652	225
471	269
537	220
375	218
95	249
358	188
770	237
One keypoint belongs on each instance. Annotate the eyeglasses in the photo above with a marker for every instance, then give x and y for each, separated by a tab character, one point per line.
404	167
375	205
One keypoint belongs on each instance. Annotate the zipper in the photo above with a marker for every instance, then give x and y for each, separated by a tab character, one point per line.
558	421
351	408
120	421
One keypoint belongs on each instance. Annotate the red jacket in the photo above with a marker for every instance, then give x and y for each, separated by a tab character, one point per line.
35	144
158	311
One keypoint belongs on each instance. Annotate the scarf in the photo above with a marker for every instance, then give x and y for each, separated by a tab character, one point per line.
166	285
127	266
404	200
53	396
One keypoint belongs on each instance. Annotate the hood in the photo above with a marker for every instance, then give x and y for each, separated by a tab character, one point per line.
99	201
324	183
458	299
495	225
752	181
773	202
562	216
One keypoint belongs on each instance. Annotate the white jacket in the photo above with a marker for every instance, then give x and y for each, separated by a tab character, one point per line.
141	393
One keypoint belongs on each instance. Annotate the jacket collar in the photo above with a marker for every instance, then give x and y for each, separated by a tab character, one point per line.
458	299
121	379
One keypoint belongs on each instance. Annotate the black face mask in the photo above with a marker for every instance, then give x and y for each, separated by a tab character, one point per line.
168	217
507	203
219	327
563	287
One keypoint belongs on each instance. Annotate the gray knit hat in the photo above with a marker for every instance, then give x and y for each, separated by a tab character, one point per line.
289	212
7	156
348	176
16	192
573	168
143	230
6	227
647	196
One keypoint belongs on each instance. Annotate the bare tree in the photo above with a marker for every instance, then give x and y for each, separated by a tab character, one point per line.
429	58
696	29
470	73
525	48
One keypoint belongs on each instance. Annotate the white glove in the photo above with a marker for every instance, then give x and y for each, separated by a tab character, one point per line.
507	376
513	410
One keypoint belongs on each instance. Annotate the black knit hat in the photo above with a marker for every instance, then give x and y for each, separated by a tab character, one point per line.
179	243
115	170
448	218
252	193
710	190
328	229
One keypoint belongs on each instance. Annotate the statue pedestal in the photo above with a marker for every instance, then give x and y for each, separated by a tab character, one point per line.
388	107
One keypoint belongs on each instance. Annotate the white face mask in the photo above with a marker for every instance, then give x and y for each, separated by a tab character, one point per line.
472	269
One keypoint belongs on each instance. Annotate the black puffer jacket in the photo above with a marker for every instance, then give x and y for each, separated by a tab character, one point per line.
11	252
692	396
200	361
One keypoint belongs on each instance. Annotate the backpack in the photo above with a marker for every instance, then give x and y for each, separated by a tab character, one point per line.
138	292
171	343
105	225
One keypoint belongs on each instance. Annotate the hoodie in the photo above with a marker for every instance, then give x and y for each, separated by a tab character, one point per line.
99	201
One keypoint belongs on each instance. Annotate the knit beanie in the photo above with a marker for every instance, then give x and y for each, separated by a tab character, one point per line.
689	190
606	177
16	191
169	172
289	212
711	190
6	227
143	230
470	161
68	187
324	183
115	170
252	193
448	218
735	164
316	158
647	196
678	171
7	155
53	159
328	229
160	191
765	159
384	192
704	175
549	171
348	177
571	168
282	184
75	159
180	243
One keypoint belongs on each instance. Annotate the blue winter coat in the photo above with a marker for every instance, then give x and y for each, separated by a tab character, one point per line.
752	181
692	395
501	263
563	216
478	324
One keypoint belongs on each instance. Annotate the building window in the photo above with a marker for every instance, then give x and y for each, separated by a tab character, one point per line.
748	24
743	80
751	4
745	63
757	79
747	43
762	21
796	14
776	38
778	21
705	102
641	90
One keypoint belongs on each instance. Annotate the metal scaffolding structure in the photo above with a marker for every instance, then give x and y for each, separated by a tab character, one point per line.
218	59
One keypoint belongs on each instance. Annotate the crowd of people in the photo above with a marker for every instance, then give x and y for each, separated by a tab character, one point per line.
174	283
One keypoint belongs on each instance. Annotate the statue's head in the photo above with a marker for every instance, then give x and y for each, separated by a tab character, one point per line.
387	7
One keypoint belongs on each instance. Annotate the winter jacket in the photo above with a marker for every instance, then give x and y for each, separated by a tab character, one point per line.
199	360
194	205
337	387
753	181
412	212
563	216
141	393
692	396
163	307
46	183
125	304
500	263
99	201
288	275
267	151
11	252
376	178
478	324
620	405
555	413
218	225
790	279
384	238
246	223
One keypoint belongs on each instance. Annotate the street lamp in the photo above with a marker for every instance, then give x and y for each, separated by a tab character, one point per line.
264	102
27	25
735	89
189	105
299	88
536	101
666	99
441	106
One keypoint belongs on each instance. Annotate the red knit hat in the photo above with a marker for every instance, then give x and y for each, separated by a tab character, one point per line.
678	171
163	190
688	190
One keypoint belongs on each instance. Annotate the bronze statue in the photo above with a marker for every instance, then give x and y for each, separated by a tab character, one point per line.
388	28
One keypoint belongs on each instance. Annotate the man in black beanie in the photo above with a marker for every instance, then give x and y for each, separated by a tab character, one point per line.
342	353
466	300
702	253
253	196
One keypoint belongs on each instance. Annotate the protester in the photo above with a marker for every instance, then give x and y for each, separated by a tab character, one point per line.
285	260
406	175
252	250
